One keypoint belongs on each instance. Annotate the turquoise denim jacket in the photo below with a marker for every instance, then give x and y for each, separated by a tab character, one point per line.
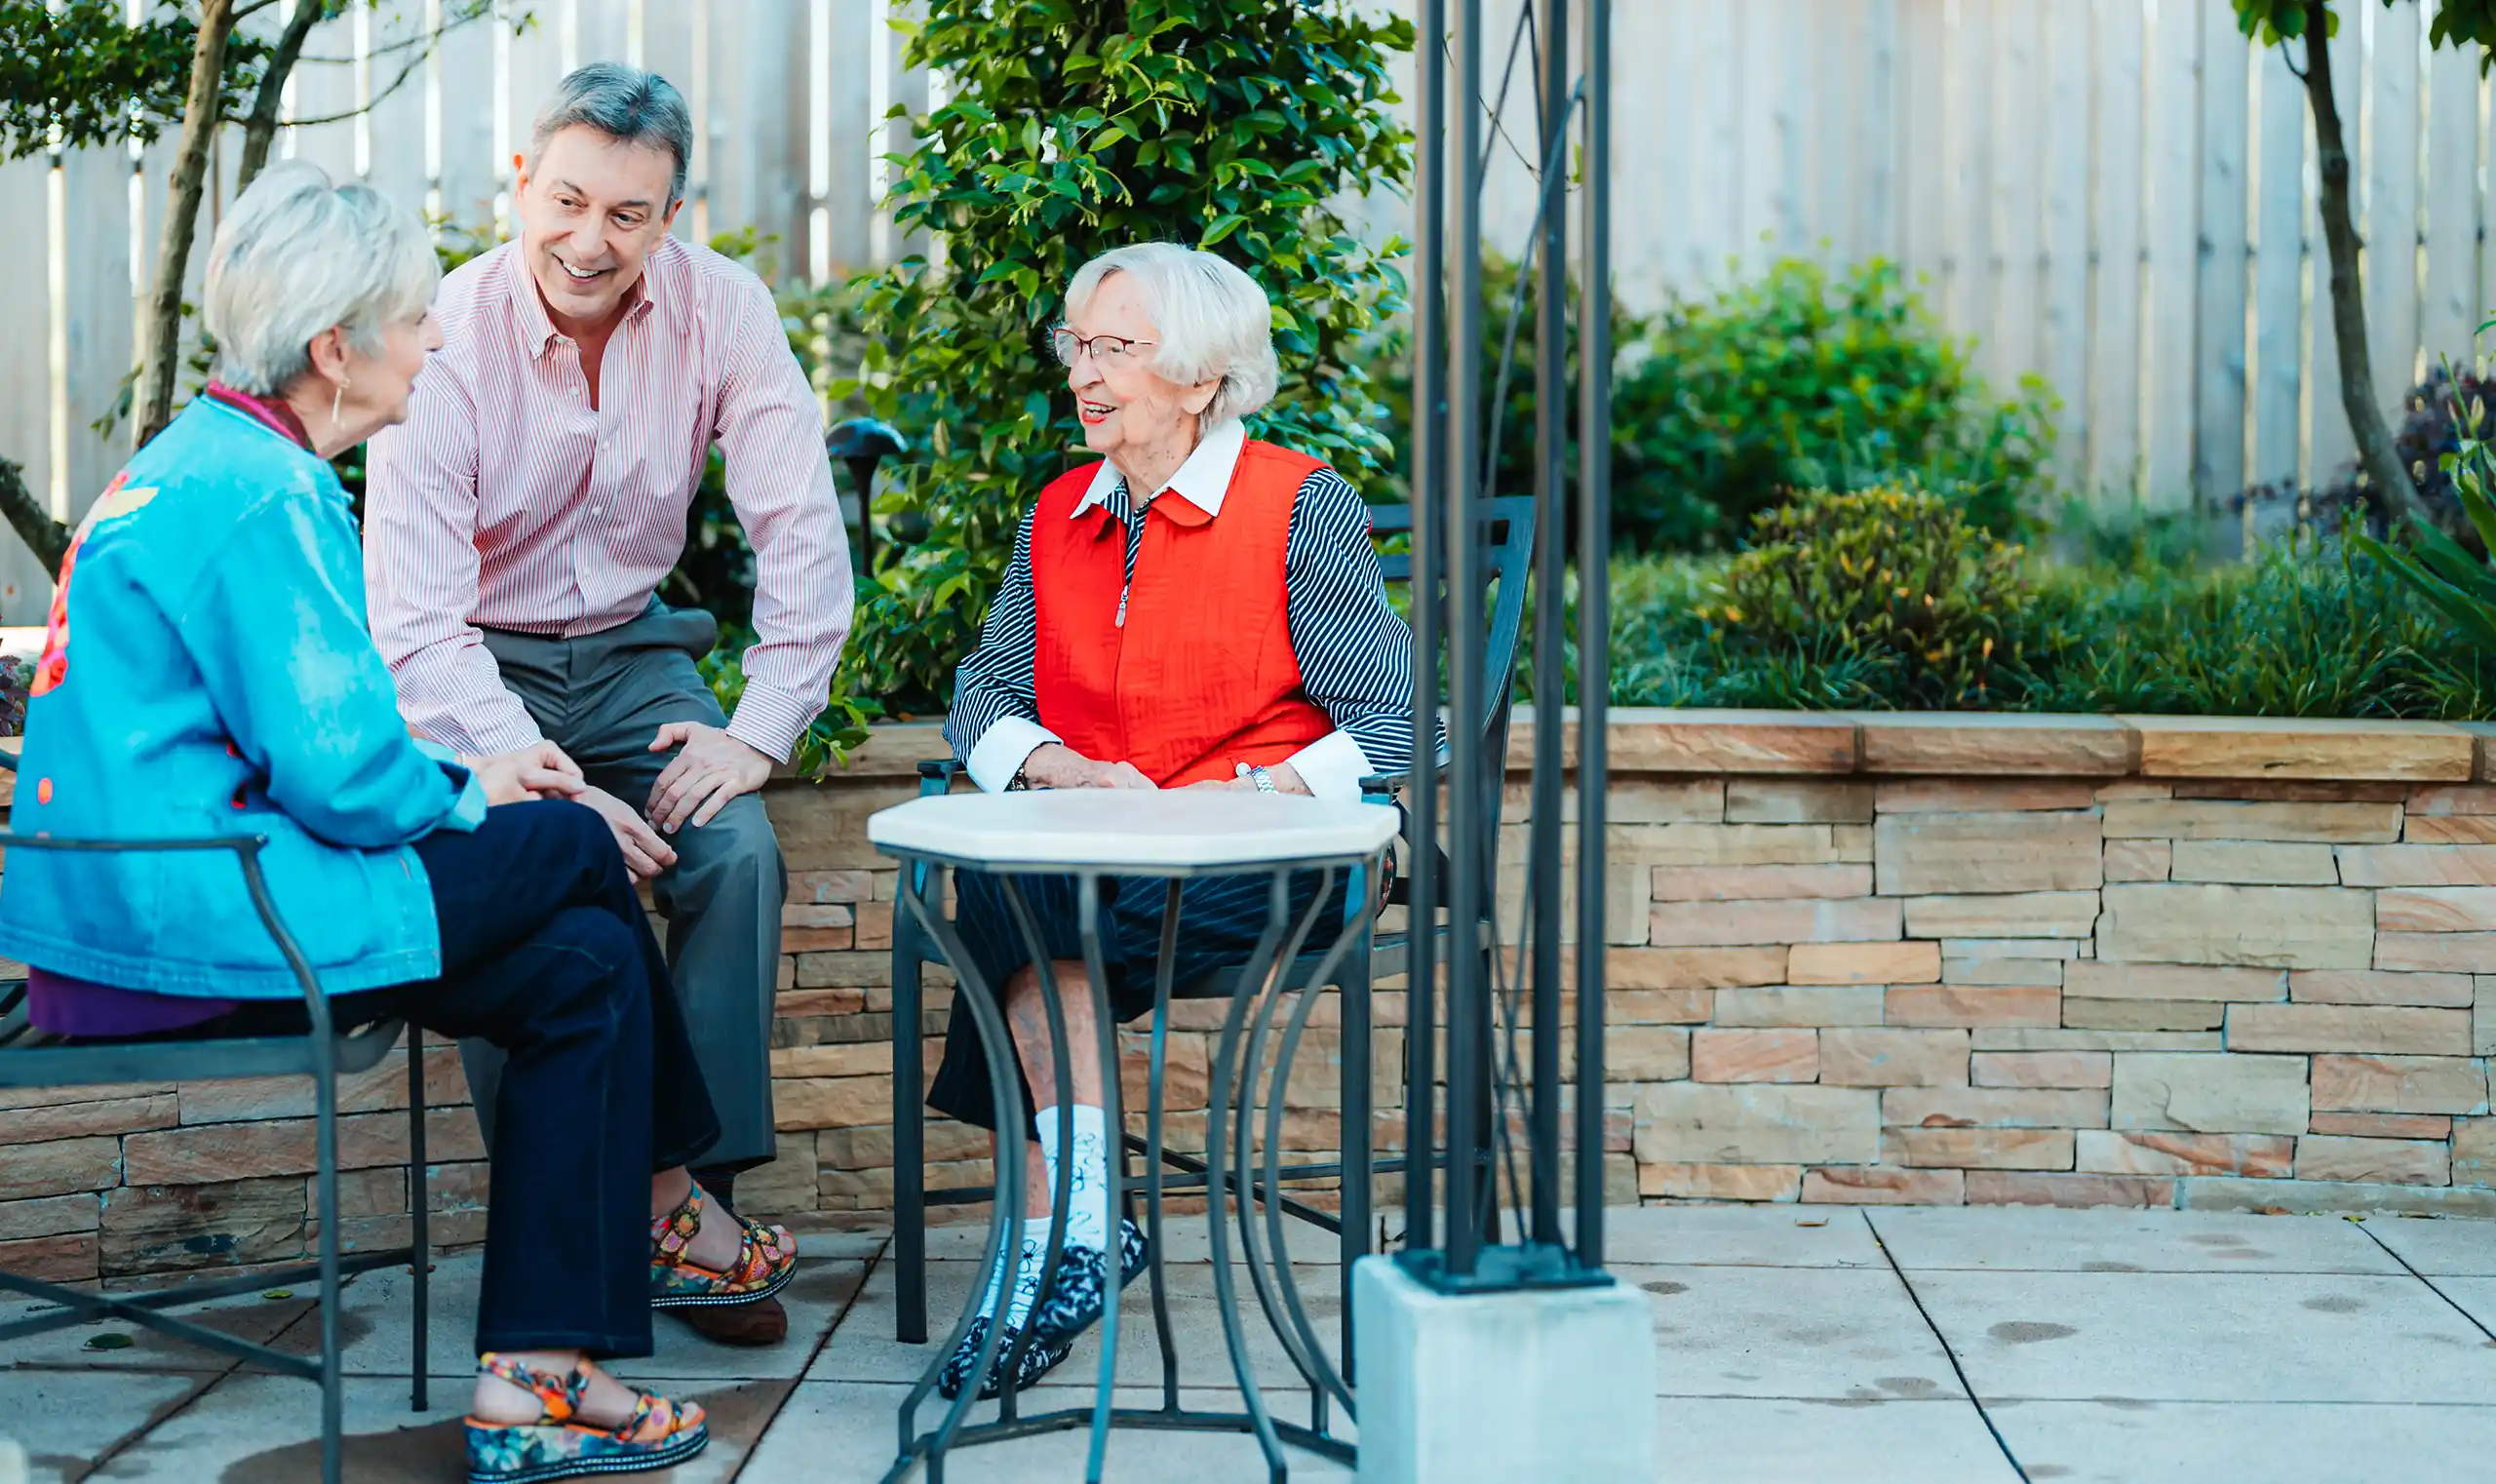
209	672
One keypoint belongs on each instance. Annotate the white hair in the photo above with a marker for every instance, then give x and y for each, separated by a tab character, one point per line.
1210	318
298	256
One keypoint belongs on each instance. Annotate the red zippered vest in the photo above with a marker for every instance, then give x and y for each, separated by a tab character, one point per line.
1201	675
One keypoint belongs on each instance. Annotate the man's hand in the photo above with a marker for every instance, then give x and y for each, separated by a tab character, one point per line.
539	771
1287	780
646	855
713	768
1055	765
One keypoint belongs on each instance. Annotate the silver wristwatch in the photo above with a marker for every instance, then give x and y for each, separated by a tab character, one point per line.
1264	780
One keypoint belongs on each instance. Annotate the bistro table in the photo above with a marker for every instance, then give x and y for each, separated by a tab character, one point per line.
1173	837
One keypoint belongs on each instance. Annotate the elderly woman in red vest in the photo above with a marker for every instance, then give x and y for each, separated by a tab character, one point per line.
1197	609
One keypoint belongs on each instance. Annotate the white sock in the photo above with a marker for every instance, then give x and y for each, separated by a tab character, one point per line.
1087	1216
1026	1280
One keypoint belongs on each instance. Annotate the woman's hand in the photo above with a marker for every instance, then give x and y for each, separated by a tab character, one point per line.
1055	765
539	771
1287	780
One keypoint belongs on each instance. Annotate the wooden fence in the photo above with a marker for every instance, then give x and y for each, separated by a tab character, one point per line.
2117	195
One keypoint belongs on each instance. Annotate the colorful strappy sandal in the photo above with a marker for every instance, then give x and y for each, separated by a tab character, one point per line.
761	1268
659	1434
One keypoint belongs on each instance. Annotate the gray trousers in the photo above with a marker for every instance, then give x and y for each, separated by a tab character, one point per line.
602	698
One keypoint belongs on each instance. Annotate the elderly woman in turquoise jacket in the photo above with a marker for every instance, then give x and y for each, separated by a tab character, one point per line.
206	672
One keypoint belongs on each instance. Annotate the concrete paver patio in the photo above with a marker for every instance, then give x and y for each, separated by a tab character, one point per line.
1858	1345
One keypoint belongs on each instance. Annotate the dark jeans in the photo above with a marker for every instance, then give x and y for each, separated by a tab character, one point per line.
1220	919
546	954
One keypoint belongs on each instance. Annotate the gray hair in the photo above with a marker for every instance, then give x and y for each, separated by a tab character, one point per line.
1211	317
623	103
298	256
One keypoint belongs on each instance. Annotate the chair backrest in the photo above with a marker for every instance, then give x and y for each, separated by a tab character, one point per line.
1506	524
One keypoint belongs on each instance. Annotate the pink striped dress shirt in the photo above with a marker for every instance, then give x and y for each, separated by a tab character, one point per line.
507	501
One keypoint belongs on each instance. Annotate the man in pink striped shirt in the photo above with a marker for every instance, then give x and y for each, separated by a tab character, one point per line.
518	525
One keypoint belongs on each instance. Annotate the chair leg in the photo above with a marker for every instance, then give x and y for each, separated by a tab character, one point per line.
419	1245
332	1400
1359	1096
909	1170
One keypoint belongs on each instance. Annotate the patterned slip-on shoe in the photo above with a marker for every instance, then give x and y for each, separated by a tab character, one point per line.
659	1434
1076	1301
677	1281
1039	1357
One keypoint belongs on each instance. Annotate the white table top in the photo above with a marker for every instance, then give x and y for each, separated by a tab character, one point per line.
1123	830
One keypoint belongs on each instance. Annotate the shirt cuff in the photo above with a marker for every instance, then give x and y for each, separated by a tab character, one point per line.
468	810
999	754
770	721
1333	766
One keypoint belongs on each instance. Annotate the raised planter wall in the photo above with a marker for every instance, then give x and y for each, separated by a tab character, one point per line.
2145	962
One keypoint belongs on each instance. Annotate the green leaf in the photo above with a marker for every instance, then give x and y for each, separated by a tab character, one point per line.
1221	227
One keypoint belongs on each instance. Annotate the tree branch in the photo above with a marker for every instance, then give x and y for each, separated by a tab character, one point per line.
45	536
163	346
259	130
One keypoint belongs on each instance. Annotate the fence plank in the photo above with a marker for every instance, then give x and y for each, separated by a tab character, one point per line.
1714	210
25	374
2391	230
324	87
2450	310
2218	402
1875	133
100	312
460	121
394	131
2278	271
2011	345
2115	325
2328	441
2063	329
1967	105
2168	206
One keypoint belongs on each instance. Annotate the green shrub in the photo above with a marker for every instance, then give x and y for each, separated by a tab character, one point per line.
1799	380
1077	126
1894	582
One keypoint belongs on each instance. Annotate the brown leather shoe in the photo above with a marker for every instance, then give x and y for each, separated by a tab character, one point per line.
759	1323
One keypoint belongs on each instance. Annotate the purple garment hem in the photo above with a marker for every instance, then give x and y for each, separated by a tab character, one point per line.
65	1006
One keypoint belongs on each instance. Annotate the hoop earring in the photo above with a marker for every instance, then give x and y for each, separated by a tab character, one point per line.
336	401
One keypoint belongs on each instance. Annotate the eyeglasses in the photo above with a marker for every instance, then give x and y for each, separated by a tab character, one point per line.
1107	350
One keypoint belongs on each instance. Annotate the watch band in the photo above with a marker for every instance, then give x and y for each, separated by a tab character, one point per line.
1264	780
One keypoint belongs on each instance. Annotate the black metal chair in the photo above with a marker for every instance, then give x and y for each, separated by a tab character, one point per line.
1506	523
30	1059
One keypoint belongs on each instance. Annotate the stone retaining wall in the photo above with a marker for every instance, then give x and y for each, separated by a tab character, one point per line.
2079	960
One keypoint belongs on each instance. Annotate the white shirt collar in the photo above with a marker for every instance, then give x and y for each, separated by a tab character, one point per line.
1204	479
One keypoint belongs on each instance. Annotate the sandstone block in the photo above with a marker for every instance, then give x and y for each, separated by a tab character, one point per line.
163	1228
1973	1005
2145	1152
2402	1084
1757	1123
2459	830
1982	796
1644	1053
2041	1069
2474	1151
2142	1014
1755	1056
2226	1093
2444	800
49	1216
2372	987
1994	1187
2024	915
50	1097
1705	844
2271	926
2297	747
2436	910
2181	819
1943	854
2373	1125
839	1060
2022	1038
1658	1007
2293	789
2133	788
2254	863
1962	743
1892	963
2226	1192
1630	800
1887	1058
855	969
1697	925
2388	1161
2058	950
2099	979
2482	1016
2023	973
2138	860
802	915
79	1120
1852	843
1720	1182
1884	1186
1705	740
1735	883
2437	952
818	887
2418	865
1993	1108
800	1103
70	1258
1980	1149
1692	968
1817	1005
2398	1028
1797	802
60	1166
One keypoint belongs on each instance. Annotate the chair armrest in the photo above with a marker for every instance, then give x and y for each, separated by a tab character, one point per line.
936	775
1382	788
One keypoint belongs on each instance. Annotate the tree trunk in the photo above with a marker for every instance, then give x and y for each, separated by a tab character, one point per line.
163	346
259	130
2378	458
45	536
